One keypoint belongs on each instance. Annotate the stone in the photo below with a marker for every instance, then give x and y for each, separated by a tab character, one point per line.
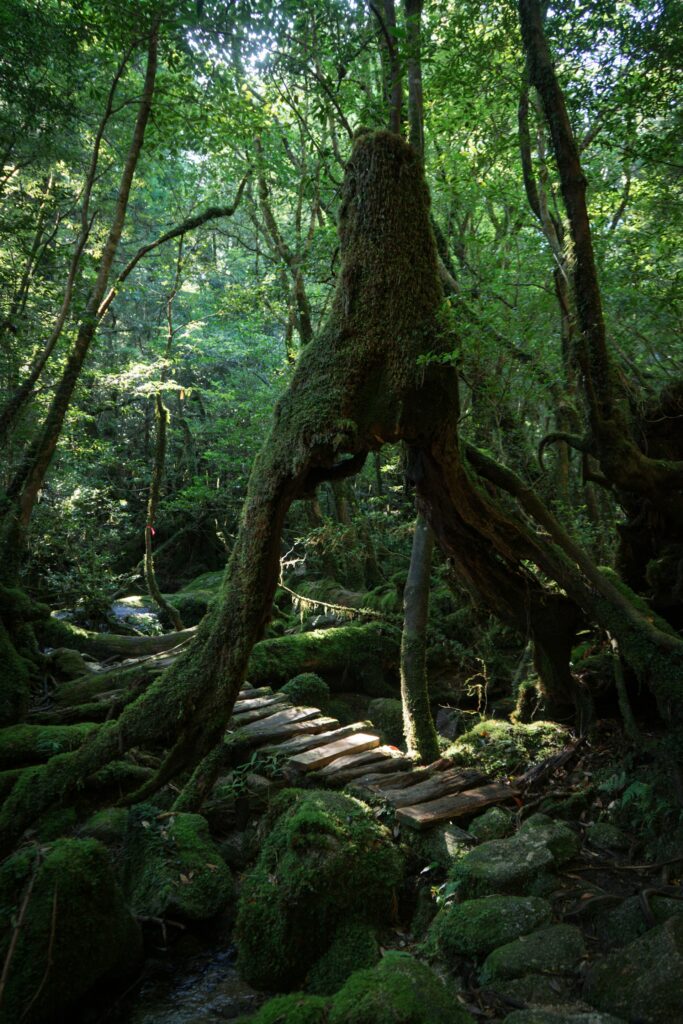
386	714
557	949
354	947
476	927
617	926
496	823
75	923
644	980
561	1015
603	836
173	868
544	989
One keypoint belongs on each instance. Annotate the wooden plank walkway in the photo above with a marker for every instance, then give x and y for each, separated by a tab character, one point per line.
319	750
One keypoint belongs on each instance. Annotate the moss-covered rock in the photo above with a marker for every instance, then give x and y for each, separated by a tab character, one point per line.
521	864
173	867
617	926
325	860
542	989
503	748
557	949
32	744
109	826
642	981
561	1015
386	713
67	663
356	658
308	689
438	847
295	1008
496	823
15	673
399	990
476	927
76	933
604	836
354	947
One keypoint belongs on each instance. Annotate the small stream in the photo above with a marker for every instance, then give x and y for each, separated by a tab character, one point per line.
187	987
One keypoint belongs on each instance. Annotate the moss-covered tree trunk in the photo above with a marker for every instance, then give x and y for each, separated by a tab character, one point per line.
418	724
161	416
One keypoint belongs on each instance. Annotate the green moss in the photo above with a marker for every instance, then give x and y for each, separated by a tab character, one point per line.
108	825
476	927
76	922
557	949
308	689
353	947
56	823
172	866
399	990
504	748
325	860
387	714
14	689
296	1008
32	744
354	658
496	823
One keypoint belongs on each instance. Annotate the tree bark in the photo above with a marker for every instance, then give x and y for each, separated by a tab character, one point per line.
418	725
161	415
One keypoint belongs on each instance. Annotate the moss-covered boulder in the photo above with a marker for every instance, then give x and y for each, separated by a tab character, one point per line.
616	926
354	947
503	748
67	663
308	689
173	867
357	658
108	825
325	860
496	823
557	949
604	836
644	980
295	1008
386	713
560	1015
76	932
523	863
438	847
476	927
399	990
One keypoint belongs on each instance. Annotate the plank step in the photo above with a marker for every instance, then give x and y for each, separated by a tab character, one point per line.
242	706
246	717
471	801
318	757
351	773
271	732
439	785
357	757
299	743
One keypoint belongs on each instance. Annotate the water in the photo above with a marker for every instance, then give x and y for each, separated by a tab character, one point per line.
204	988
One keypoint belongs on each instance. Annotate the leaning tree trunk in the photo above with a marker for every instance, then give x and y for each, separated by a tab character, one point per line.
357	386
161	416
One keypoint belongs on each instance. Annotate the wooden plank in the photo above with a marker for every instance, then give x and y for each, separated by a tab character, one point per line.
400	780
471	801
269	732
356	758
261	691
318	757
242	706
349	774
439	785
267	711
299	743
284	717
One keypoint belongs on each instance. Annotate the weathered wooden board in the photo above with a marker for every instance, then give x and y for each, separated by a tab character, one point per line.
253	704
257	714
261	691
274	734
349	774
356	758
440	784
318	757
470	802
299	743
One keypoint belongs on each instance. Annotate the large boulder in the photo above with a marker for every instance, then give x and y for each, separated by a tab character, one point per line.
173	867
326	860
399	990
617	926
476	927
557	949
354	947
72	928
523	863
644	980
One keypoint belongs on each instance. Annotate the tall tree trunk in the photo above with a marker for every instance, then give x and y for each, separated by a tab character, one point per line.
418	724
161	416
23	490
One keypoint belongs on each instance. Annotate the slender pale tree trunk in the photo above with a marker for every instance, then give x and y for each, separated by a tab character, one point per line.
161	415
